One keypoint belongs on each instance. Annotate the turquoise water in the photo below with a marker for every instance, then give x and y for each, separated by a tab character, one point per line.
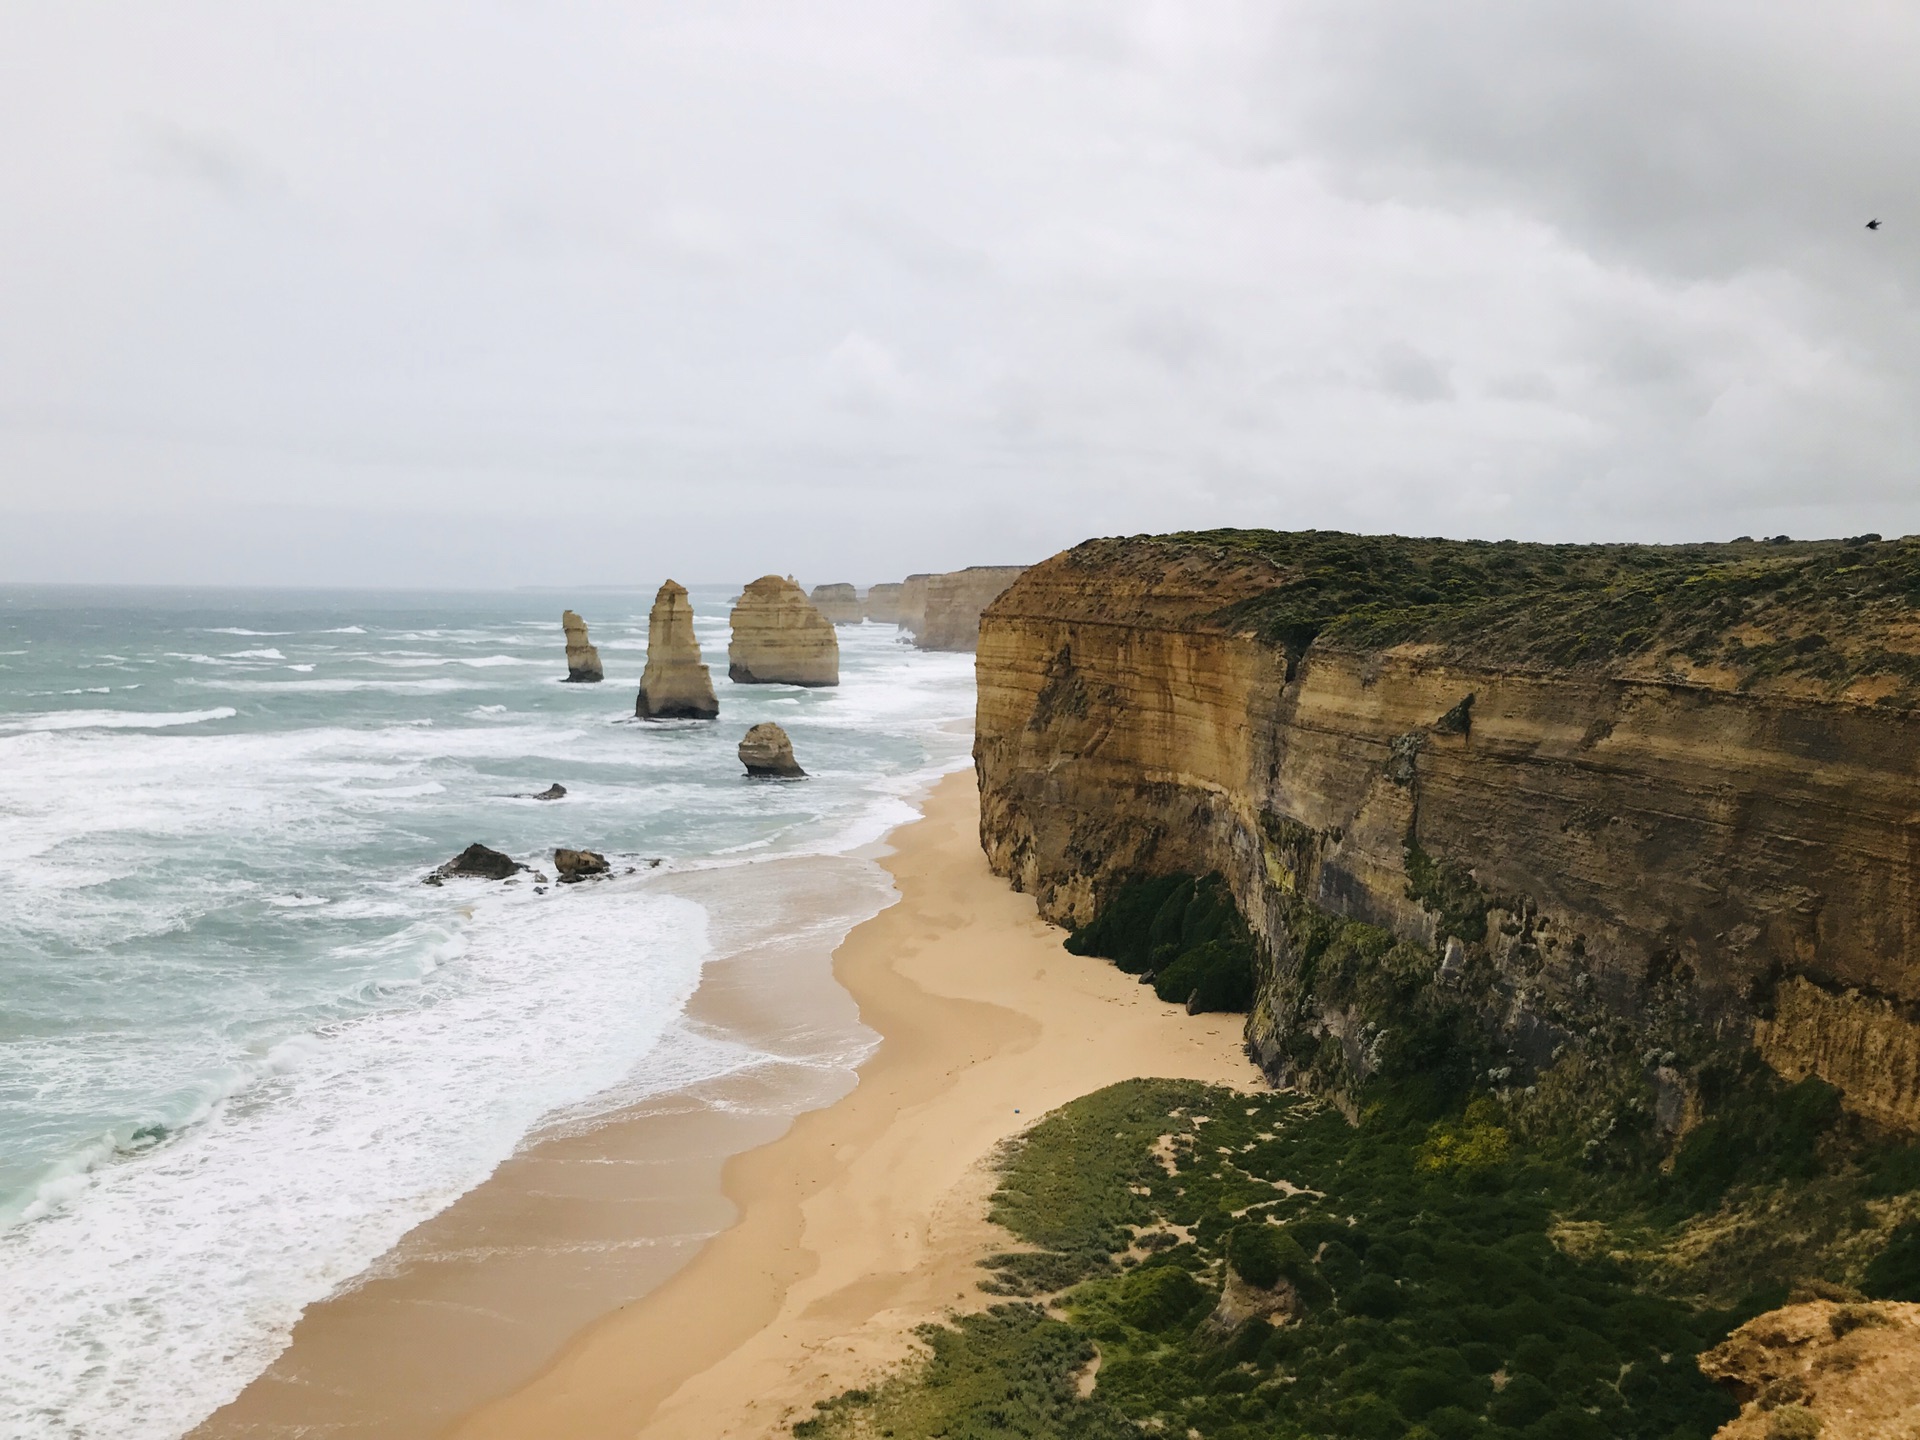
242	1048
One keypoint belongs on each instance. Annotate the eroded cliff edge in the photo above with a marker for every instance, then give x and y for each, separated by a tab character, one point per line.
1650	799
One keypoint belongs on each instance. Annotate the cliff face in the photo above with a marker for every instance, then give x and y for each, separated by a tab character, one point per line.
839	603
779	638
882	605
1673	826
911	610
950	618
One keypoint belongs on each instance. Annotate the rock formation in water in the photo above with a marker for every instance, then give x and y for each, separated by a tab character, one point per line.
766	751
1643	807
780	639
676	684
911	607
839	603
476	862
882	605
1826	1369
573	866
583	661
555	791
950	617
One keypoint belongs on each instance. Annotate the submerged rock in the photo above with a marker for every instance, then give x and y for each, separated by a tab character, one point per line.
573	866
555	791
676	684
583	661
839	603
476	862
766	751
780	639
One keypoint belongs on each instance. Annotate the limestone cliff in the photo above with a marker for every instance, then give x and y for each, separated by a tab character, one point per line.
676	684
951	617
1660	797
1832	1370
839	603
882	605
911	612
583	661
780	638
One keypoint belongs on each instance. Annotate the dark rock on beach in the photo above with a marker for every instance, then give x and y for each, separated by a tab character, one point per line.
479	863
573	866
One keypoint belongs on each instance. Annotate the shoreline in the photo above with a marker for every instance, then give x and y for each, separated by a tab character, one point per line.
593	1210
866	1218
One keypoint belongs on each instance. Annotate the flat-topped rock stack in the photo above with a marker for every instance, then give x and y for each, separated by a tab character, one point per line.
882	605
950	617
912	611
779	638
839	603
676	684
583	661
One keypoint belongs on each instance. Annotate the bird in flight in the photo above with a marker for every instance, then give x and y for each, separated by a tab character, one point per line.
1873	224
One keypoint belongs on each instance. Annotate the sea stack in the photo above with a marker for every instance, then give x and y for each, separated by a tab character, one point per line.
780	639
883	604
767	753
839	603
950	614
583	661
675	685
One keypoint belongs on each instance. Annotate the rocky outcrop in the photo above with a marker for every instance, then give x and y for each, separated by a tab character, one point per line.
555	791
839	603
573	866
675	685
911	612
882	605
766	751
1834	1370
950	617
780	639
476	862
1672	790
583	661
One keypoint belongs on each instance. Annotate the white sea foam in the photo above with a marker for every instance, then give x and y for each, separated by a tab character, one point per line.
114	719
335	1144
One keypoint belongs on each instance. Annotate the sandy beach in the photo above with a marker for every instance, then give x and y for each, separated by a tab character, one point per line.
867	1217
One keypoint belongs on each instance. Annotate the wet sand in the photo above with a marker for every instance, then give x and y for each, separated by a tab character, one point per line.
587	1217
866	1218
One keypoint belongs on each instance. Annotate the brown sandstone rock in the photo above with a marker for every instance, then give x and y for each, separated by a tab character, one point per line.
912	605
780	639
1838	1371
583	661
951	620
675	685
1743	842
766	751
882	605
573	866
839	603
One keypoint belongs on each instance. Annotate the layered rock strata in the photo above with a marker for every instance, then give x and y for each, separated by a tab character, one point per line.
882	605
910	612
950	618
1668	789
780	639
767	753
676	684
839	603
583	661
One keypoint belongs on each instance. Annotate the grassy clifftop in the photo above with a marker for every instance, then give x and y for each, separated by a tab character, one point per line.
1831	613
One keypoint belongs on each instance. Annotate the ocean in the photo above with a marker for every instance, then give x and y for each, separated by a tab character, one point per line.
243	1050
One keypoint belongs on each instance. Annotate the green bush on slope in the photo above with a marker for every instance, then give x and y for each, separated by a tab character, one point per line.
1186	932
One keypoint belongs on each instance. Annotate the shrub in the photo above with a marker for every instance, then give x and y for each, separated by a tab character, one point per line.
1894	1274
1263	1255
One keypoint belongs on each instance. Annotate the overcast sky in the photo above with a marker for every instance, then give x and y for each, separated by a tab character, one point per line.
567	293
